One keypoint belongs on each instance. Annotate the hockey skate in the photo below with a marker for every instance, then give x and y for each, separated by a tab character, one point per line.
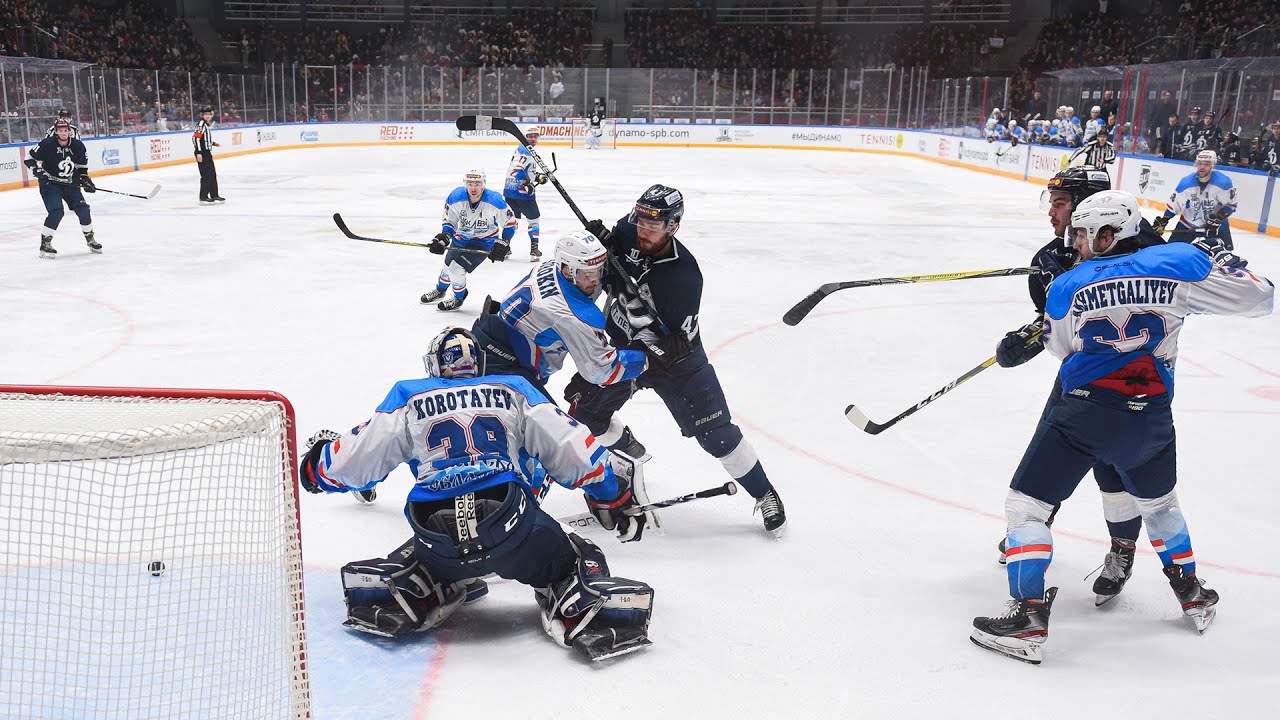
1198	602
452	303
630	446
432	296
94	245
1117	566
535	254
206	202
46	247
1020	632
770	507
219	199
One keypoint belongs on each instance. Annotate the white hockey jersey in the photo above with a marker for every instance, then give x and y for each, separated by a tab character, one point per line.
547	317
1196	201
477	225
1112	318
465	435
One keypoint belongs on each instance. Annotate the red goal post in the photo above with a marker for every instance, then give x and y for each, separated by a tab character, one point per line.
150	554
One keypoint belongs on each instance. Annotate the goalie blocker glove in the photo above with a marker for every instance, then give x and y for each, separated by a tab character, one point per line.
619	513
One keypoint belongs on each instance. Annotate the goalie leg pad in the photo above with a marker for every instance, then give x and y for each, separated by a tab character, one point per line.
396	595
589	601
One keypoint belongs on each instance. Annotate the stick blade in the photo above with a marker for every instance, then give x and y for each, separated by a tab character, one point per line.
801	309
154	191
466	123
864	423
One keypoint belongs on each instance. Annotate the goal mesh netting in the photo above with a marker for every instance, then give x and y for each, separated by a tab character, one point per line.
96	485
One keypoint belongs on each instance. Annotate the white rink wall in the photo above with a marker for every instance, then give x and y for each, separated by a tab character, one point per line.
1151	179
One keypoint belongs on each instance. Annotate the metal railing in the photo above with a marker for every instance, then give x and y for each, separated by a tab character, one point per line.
1245	94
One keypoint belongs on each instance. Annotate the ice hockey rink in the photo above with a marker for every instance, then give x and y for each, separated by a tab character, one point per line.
864	608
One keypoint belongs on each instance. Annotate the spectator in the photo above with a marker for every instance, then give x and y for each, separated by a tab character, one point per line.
1037	108
1110	106
1160	114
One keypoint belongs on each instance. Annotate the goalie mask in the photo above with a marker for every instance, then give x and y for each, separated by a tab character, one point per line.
581	258
454	353
1111	209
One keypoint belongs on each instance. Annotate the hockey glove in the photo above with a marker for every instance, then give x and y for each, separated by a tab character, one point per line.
1021	345
597	228
539	179
439	244
86	182
1213	223
307	474
579	391
499	252
1219	254
666	351
620	513
1160	223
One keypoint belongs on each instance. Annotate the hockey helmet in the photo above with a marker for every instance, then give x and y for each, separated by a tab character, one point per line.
474	175
206	109
1081	181
533	132
454	353
659	202
579	255
61	124
1109	208
1210	114
1195	110
64	113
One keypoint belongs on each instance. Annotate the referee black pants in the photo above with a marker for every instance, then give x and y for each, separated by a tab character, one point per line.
208	177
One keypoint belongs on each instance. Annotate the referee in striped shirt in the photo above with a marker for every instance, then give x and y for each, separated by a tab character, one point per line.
203	143
1098	152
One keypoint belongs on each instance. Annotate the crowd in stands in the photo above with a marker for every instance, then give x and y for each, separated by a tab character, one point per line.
114	33
794	67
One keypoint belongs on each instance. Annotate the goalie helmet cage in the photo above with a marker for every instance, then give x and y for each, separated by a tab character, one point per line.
579	128
150	555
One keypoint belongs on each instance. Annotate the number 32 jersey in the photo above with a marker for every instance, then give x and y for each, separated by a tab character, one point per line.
465	435
1114	321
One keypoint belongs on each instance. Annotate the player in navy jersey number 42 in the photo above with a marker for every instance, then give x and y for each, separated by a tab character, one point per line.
1114	320
655	294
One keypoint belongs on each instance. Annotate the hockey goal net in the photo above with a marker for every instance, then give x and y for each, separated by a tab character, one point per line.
581	129
150	555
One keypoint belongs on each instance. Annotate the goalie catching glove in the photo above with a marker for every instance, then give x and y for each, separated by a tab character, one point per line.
620	513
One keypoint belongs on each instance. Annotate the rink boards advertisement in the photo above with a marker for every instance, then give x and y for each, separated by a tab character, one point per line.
1151	179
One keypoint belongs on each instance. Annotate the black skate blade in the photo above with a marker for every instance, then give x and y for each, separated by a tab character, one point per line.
609	642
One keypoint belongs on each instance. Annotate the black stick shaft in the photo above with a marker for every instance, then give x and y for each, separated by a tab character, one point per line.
586	519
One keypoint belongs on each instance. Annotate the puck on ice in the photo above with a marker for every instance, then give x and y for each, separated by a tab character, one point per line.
156	568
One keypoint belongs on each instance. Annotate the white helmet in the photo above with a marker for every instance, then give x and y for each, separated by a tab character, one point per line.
1013	124
579	250
474	174
1109	208
1209	155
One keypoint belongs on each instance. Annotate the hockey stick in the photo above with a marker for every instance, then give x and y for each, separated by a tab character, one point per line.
587	519
857	417
342	225
805	306
148	196
484	122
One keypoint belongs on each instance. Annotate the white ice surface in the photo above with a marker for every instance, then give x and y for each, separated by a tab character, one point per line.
864	609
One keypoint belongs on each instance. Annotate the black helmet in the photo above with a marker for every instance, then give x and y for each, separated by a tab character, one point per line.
659	202
1081	182
206	109
64	113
